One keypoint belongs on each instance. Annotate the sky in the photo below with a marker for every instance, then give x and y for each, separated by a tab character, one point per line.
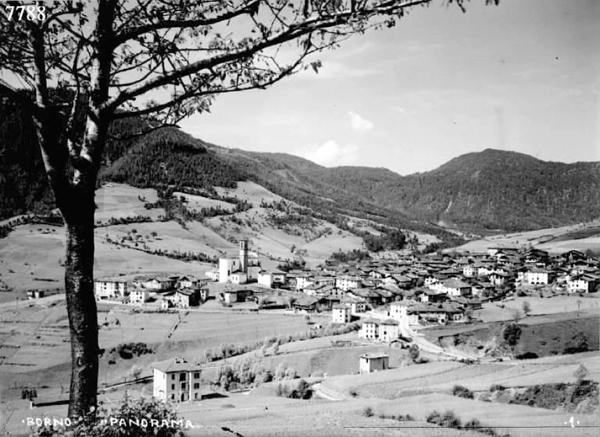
522	76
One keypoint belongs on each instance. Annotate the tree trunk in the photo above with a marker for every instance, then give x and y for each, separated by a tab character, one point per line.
81	306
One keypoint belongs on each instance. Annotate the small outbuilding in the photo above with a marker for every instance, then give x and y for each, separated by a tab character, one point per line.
370	363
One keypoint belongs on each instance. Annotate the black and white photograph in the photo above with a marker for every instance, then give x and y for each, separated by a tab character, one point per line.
271	218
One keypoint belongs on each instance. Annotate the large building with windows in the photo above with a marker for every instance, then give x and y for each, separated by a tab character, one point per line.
176	380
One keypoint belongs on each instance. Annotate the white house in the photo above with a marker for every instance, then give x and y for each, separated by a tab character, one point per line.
469	271
388	330
269	278
341	314
109	289
176	381
585	283
139	296
347	282
535	277
213	275
369	330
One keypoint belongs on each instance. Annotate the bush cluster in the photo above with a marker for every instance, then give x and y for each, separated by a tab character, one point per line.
462	392
248	373
448	419
301	390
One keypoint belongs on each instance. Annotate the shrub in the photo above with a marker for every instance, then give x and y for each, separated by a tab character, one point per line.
579	343
353	392
447	419
472	424
368	412
450	420
581	373
511	334
434	417
462	392
413	352
405	418
497	387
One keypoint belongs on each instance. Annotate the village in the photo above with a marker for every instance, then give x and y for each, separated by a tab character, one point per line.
390	301
433	288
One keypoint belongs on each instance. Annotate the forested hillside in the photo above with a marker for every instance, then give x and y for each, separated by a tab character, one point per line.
476	192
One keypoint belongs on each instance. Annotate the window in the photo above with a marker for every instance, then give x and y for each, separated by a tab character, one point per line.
196	386
196	375
183	385
182	376
172	386
173	397
172	376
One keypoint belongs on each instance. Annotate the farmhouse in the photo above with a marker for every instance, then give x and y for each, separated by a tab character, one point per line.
176	380
109	289
370	363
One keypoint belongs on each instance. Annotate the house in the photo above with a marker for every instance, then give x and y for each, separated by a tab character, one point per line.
139	296
469	271
455	287
35	294
498	278
166	303
160	283
312	304
238	278
347	282
303	280
109	289
388	330
273	278
341	314
401	310
440	313
369	330
370	363
372	297
176	380
231	296
186	282
535	276
584	283
213	275
186	298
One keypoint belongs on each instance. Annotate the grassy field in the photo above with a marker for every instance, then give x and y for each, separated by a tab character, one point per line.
198	202
27	333
581	237
120	200
500	311
29	258
542	335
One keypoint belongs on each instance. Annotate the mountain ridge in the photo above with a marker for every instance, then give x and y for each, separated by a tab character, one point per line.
477	192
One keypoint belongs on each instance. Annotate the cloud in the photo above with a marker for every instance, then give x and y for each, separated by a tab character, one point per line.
358	123
330	153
